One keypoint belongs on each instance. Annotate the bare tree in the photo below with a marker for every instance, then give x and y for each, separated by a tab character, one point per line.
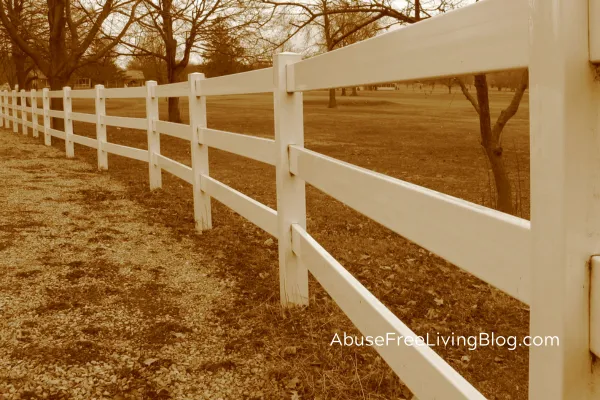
17	67
154	68
351	28
491	136
338	22
72	27
181	25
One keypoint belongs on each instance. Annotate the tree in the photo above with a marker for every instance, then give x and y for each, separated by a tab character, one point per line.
224	53
17	67
491	136
154	68
348	32
71	29
339	23
180	24
101	72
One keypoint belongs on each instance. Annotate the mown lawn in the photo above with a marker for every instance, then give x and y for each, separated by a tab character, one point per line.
430	139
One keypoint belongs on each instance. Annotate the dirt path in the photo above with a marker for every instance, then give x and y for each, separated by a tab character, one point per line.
97	302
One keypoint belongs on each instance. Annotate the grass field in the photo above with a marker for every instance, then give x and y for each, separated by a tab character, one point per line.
430	139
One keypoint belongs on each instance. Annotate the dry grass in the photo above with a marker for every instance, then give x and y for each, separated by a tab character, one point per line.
431	140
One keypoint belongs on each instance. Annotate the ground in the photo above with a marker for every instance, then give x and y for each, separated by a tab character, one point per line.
98	303
430	139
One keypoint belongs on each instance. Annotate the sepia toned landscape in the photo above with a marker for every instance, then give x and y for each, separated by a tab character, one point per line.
299	199
425	137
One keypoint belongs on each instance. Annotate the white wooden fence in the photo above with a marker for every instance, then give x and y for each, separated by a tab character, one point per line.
545	264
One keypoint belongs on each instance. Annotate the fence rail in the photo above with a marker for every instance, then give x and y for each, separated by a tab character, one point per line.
502	250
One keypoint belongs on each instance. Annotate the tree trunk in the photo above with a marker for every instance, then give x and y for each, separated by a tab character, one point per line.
492	148
56	103
172	74
503	189
174	114
20	71
354	91
332	100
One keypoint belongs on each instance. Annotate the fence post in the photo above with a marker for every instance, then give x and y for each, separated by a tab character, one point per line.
34	116
14	111
197	111
67	107
23	112
154	170
46	105
565	211
6	108
291	199
101	128
2	110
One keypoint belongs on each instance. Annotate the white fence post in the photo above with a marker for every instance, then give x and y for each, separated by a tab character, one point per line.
197	110
34	116
154	170
14	111
6	109
291	199
565	211
101	127
23	111
2	110
46	105
67	107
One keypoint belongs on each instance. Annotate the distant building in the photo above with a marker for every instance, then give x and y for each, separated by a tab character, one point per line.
39	80
82	83
134	78
383	86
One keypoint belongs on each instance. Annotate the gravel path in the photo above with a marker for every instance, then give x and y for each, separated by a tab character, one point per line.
97	302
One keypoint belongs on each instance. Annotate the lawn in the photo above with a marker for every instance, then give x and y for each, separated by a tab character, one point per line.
430	139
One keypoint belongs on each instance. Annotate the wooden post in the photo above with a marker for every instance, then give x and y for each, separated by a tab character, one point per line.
34	115
23	112
197	109
154	170
15	118
67	107
565	210
46	105
291	200
101	127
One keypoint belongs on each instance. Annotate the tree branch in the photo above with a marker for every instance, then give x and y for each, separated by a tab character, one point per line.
512	108
468	95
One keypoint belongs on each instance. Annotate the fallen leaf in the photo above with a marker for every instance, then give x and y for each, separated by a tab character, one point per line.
293	383
150	361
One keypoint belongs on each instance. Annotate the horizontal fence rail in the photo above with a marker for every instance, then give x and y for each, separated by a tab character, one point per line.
461	232
259	81
426	373
253	147
174	129
487	36
484	37
255	212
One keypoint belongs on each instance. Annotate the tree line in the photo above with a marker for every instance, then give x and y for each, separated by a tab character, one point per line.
167	39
